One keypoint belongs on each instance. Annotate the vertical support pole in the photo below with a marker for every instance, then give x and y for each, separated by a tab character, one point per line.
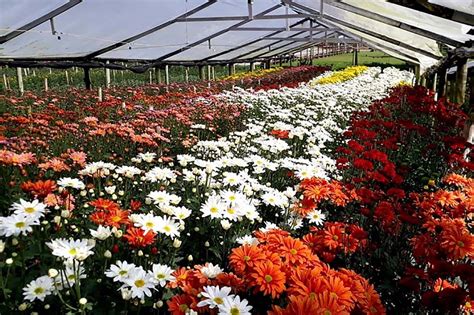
87	78
151	76
443	76
46	87
202	73
268	64
5	81
231	69
461	81
107	76
67	77
19	75
433	86
186	74
471	95
209	72
167	74
100	94
356	56
158	73
417	74
213	72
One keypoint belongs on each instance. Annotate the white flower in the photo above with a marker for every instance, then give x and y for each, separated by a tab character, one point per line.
38	289
168	226
102	233
17	224
147	222
110	189
160	197
247	240
147	156
215	296
140	282
211	271
181	213
226	224
71	249
316	217
231	179
214	207
120	271
235	306
128	171
71	182
35	209
162	274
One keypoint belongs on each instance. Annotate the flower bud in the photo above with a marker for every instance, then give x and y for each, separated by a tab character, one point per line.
9	261
177	243
83	301
53	273
107	254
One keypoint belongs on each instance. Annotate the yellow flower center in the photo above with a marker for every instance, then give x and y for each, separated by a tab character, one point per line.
334	237
246	258
234	311
268	278
72	251
293	251
160	276
460	243
218	300
214	209
231	211
167	228
139	283
327	312
232	198
38	291
149	224
183	307
20	225
123	272
30	210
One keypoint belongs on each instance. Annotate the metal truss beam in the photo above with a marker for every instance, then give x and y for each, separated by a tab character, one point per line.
392	22
207	38
251	42
362	30
148	32
71	3
282	29
244	17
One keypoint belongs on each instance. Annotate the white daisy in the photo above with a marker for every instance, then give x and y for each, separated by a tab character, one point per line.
71	249
140	283
102	233
71	182
168	226
17	224
234	306
215	296
120	271
316	217
162	274
214	207
211	271
35	209
38	289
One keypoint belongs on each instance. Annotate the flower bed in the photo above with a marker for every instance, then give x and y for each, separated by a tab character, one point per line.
119	234
340	76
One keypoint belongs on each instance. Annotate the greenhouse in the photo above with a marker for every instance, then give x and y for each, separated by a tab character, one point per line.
277	157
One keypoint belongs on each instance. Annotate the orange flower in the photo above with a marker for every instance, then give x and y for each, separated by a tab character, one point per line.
244	257
136	237
332	236
267	278
291	250
328	304
336	288
457	241
298	305
104	204
117	217
39	189
306	282
179	304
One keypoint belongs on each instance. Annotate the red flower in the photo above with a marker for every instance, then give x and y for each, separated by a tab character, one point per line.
136	237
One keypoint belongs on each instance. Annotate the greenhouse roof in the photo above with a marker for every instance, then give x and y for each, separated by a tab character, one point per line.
223	31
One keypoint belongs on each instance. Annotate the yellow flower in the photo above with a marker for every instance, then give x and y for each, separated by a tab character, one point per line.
340	76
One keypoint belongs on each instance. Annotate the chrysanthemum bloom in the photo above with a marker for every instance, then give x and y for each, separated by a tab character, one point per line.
244	257
39	189
117	217
136	237
457	242
268	278
104	204
179	304
292	250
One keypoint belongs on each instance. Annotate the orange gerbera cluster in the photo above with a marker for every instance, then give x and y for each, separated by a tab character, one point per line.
335	238
108	213
317	190
281	265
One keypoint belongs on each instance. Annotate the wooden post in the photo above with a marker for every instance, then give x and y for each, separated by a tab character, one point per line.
186	74
443	76
202	73
167	74
100	94
5	82
34	72
107	76
46	88
417	74
209	73
461	81
433	86
231	68
67	77
158	73
151	77
19	75
87	78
